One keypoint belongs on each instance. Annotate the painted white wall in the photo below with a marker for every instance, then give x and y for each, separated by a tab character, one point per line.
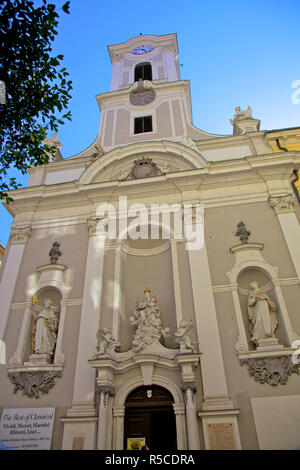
64	176
277	421
227	153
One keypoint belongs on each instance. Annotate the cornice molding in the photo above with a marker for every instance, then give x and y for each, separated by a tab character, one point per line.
224	174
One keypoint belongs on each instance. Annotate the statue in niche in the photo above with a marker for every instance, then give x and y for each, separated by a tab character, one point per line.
262	314
182	336
55	253
147	318
45	330
106	342
242	233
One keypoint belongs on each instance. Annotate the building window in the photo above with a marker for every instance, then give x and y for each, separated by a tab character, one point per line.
143	71
143	124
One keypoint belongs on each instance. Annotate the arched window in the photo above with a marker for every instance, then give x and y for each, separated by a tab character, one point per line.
143	71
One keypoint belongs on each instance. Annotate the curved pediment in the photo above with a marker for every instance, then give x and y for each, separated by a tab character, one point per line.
141	160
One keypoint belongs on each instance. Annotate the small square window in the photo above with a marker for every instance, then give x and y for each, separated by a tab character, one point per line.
143	124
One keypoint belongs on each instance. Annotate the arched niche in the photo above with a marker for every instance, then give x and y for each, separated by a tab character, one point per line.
265	284
147	264
250	261
41	297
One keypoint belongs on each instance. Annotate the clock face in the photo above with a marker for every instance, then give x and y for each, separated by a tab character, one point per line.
143	49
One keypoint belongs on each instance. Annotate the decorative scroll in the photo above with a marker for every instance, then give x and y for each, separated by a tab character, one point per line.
271	370
34	383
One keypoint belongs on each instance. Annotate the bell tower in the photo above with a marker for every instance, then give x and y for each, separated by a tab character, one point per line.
147	98
147	57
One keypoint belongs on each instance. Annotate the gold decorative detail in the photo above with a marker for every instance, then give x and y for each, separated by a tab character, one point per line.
33	301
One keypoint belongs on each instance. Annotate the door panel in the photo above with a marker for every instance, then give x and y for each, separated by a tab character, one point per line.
149	413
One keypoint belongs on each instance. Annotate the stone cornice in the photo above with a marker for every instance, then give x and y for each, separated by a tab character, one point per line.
158	41
120	97
223	174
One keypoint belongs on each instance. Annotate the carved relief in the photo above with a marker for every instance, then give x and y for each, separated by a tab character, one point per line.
106	342
146	317
144	168
34	383
142	93
282	204
271	370
183	338
20	235
96	227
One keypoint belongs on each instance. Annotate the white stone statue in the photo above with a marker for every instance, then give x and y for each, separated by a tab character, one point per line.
46	328
147	318
262	314
106	342
240	114
183	338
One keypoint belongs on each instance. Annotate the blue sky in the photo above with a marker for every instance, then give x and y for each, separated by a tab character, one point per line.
235	53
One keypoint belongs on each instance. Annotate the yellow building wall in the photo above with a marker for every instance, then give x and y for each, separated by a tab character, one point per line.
288	139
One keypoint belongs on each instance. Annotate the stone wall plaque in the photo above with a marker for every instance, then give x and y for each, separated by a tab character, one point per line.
26	428
221	436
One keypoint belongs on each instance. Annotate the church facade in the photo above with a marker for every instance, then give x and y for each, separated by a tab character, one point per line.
150	286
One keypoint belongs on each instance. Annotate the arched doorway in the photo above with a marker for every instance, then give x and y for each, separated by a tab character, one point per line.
149	414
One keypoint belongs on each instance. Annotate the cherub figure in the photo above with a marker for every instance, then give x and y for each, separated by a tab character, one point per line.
183	338
108	343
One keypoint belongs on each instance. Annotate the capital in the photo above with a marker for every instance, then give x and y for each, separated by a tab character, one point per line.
20	235
282	204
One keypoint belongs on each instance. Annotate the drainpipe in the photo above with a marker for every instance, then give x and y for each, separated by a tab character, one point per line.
279	146
294	184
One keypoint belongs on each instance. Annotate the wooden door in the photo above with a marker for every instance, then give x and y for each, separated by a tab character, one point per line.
149	414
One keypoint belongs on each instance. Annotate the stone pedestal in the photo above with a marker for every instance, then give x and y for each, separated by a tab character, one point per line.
265	344
39	359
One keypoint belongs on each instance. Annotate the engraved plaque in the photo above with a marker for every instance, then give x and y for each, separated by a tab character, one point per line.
221	436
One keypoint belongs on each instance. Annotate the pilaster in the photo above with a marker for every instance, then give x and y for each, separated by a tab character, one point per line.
285	211
18	239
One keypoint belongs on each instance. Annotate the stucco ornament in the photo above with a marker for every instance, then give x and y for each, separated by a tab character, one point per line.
45	331
106	342
271	370
183	338
142	93
262	314
146	317
242	233
34	383
144	167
